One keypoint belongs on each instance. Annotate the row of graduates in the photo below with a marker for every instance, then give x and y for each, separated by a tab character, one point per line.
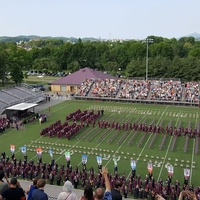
170	130
81	176
69	129
83	116
81	119
53	173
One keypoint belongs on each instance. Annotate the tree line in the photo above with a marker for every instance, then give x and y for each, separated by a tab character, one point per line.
167	58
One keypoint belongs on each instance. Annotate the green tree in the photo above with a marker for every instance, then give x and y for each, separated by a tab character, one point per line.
136	68
5	63
17	73
195	53
112	67
73	66
45	64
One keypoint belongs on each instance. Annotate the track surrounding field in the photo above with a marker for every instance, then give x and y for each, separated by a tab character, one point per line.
162	150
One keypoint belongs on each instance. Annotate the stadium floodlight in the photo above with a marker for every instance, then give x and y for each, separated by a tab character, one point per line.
148	40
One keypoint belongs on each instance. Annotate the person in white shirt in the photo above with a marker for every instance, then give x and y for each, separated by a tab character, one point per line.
67	193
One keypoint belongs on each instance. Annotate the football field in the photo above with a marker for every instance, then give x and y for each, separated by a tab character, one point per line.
162	150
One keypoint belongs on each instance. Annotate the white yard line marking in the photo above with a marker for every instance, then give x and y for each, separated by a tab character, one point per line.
147	141
140	154
120	146
48	147
191	168
28	144
68	150
81	141
116	151
192	161
167	150
4	134
42	136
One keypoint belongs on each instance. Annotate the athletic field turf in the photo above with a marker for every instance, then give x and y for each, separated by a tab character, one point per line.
110	143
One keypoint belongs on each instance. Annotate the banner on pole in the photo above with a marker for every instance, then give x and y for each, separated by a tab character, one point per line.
12	148
39	151
99	160
186	173
133	164
84	159
23	149
170	170
67	155
150	167
51	153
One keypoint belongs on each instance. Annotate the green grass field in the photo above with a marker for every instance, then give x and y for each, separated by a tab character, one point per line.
43	80
119	147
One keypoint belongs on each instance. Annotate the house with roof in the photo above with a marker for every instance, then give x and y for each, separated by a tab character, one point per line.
72	82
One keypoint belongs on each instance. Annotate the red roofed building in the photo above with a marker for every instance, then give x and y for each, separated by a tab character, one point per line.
72	82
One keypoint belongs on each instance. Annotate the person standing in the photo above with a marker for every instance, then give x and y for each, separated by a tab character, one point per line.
39	193
14	190
32	188
88	193
125	191
99	194
3	185
116	191
67	192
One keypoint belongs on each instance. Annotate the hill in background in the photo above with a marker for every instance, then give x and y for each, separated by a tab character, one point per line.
35	37
195	35
65	39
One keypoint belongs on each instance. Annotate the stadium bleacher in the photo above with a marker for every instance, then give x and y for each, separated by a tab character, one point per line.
152	91
19	94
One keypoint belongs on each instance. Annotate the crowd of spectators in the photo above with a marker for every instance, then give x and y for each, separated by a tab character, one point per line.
166	90
85	87
4	123
105	88
13	190
192	92
134	89
139	89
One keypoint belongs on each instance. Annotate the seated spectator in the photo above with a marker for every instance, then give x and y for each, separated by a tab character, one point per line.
192	92
166	90
105	88
134	89
99	194
85	87
39	192
14	190
67	192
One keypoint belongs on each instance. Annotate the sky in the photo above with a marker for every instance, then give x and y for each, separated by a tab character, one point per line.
105	19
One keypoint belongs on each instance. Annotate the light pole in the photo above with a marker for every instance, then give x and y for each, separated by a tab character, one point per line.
148	40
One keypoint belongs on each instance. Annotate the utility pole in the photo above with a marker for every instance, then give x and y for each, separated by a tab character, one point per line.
148	40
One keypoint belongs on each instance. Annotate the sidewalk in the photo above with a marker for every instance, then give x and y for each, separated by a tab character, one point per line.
46	104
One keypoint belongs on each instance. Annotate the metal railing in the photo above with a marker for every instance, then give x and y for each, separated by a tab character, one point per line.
52	197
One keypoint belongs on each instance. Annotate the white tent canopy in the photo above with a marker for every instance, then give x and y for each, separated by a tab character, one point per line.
22	106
